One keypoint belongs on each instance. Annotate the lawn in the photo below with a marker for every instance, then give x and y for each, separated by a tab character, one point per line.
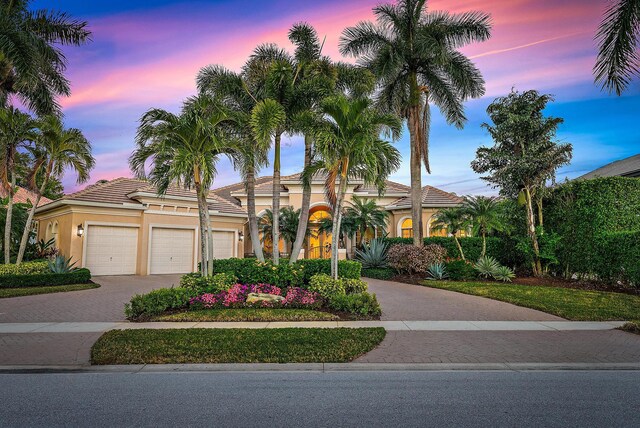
29	291
286	345
248	314
573	304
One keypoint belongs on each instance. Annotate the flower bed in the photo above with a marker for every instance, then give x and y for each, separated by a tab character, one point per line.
236	297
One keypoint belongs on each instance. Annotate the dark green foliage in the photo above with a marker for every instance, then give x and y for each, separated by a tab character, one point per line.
362	305
583	213
209	284
471	246
618	258
158	301
460	270
379	273
78	276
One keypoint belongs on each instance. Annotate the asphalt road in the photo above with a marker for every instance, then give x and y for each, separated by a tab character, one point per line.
335	399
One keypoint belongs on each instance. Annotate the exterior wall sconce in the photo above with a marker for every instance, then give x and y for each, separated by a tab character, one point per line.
240	236
80	231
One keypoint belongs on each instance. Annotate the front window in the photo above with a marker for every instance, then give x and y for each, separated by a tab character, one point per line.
406	228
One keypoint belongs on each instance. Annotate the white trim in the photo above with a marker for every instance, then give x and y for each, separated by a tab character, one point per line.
188	214
399	225
317	204
62	202
196	235
84	237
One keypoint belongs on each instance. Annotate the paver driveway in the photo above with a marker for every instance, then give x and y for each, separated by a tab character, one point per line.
99	304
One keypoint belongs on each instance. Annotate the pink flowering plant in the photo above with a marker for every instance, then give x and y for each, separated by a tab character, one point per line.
236	297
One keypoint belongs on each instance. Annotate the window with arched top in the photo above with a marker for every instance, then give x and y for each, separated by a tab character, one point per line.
317	216
54	233
48	231
406	228
439	232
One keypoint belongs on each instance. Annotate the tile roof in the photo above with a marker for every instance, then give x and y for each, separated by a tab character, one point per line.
120	190
628	167
225	192
24	196
431	197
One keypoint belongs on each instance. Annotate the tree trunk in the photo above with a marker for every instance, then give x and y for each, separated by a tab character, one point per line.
531	230
337	219
414	124
484	244
540	214
253	219
275	227
7	223
27	226
455	238
303	224
207	218
203	231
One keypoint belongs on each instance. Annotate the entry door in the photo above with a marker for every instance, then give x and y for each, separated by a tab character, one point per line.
171	250
111	250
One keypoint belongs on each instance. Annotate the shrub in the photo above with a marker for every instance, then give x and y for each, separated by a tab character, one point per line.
504	274
384	273
362	304
373	255
24	268
618	258
78	276
236	297
461	270
210	284
158	301
487	266
60	264
354	286
437	271
472	246
410	259
326	286
311	267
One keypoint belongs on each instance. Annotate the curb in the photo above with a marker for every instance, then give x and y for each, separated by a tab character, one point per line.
315	367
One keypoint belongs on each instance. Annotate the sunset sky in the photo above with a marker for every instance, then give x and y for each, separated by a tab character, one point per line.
147	53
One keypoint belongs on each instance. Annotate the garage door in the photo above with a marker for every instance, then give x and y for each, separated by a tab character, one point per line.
171	250
223	244
111	250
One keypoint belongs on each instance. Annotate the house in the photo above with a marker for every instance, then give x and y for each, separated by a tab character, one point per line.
123	227
628	167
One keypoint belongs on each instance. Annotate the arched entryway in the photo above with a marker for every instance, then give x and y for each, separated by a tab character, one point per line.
319	242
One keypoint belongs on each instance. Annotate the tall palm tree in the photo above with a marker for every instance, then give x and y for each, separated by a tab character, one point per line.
349	147
32	65
485	216
184	149
57	149
232	90
451	220
366	215
414	54
17	130
618	37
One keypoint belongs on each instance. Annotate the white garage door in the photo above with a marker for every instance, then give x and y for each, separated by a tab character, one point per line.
223	243
171	250
111	250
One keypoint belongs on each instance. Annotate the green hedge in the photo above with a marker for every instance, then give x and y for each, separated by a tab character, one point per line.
158	301
78	276
251	271
472	246
379	273
618	257
25	268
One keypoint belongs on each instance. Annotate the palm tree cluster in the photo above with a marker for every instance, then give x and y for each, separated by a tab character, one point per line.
32	67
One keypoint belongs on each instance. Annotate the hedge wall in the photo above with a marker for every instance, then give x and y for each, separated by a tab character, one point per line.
618	257
472	246
585	213
78	276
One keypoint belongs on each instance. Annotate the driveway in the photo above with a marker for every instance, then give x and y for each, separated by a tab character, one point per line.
412	302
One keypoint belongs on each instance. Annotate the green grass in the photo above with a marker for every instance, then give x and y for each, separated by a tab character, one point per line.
286	345
29	291
573	304
248	314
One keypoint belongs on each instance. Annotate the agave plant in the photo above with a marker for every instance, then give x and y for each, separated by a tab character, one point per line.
504	274
437	271
61	264
373	254
487	267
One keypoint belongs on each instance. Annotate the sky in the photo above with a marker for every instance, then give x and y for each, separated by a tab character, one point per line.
146	54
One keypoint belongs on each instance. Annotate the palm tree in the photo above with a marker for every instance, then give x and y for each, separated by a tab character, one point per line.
17	130
451	220
349	147
232	90
617	38
414	54
366	215
57	149
348	227
289	220
32	65
485	216
184	149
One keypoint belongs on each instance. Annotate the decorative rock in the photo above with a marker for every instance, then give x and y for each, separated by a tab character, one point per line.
263	297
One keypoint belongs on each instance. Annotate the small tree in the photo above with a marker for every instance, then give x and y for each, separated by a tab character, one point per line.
451	220
366	215
525	154
485	216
